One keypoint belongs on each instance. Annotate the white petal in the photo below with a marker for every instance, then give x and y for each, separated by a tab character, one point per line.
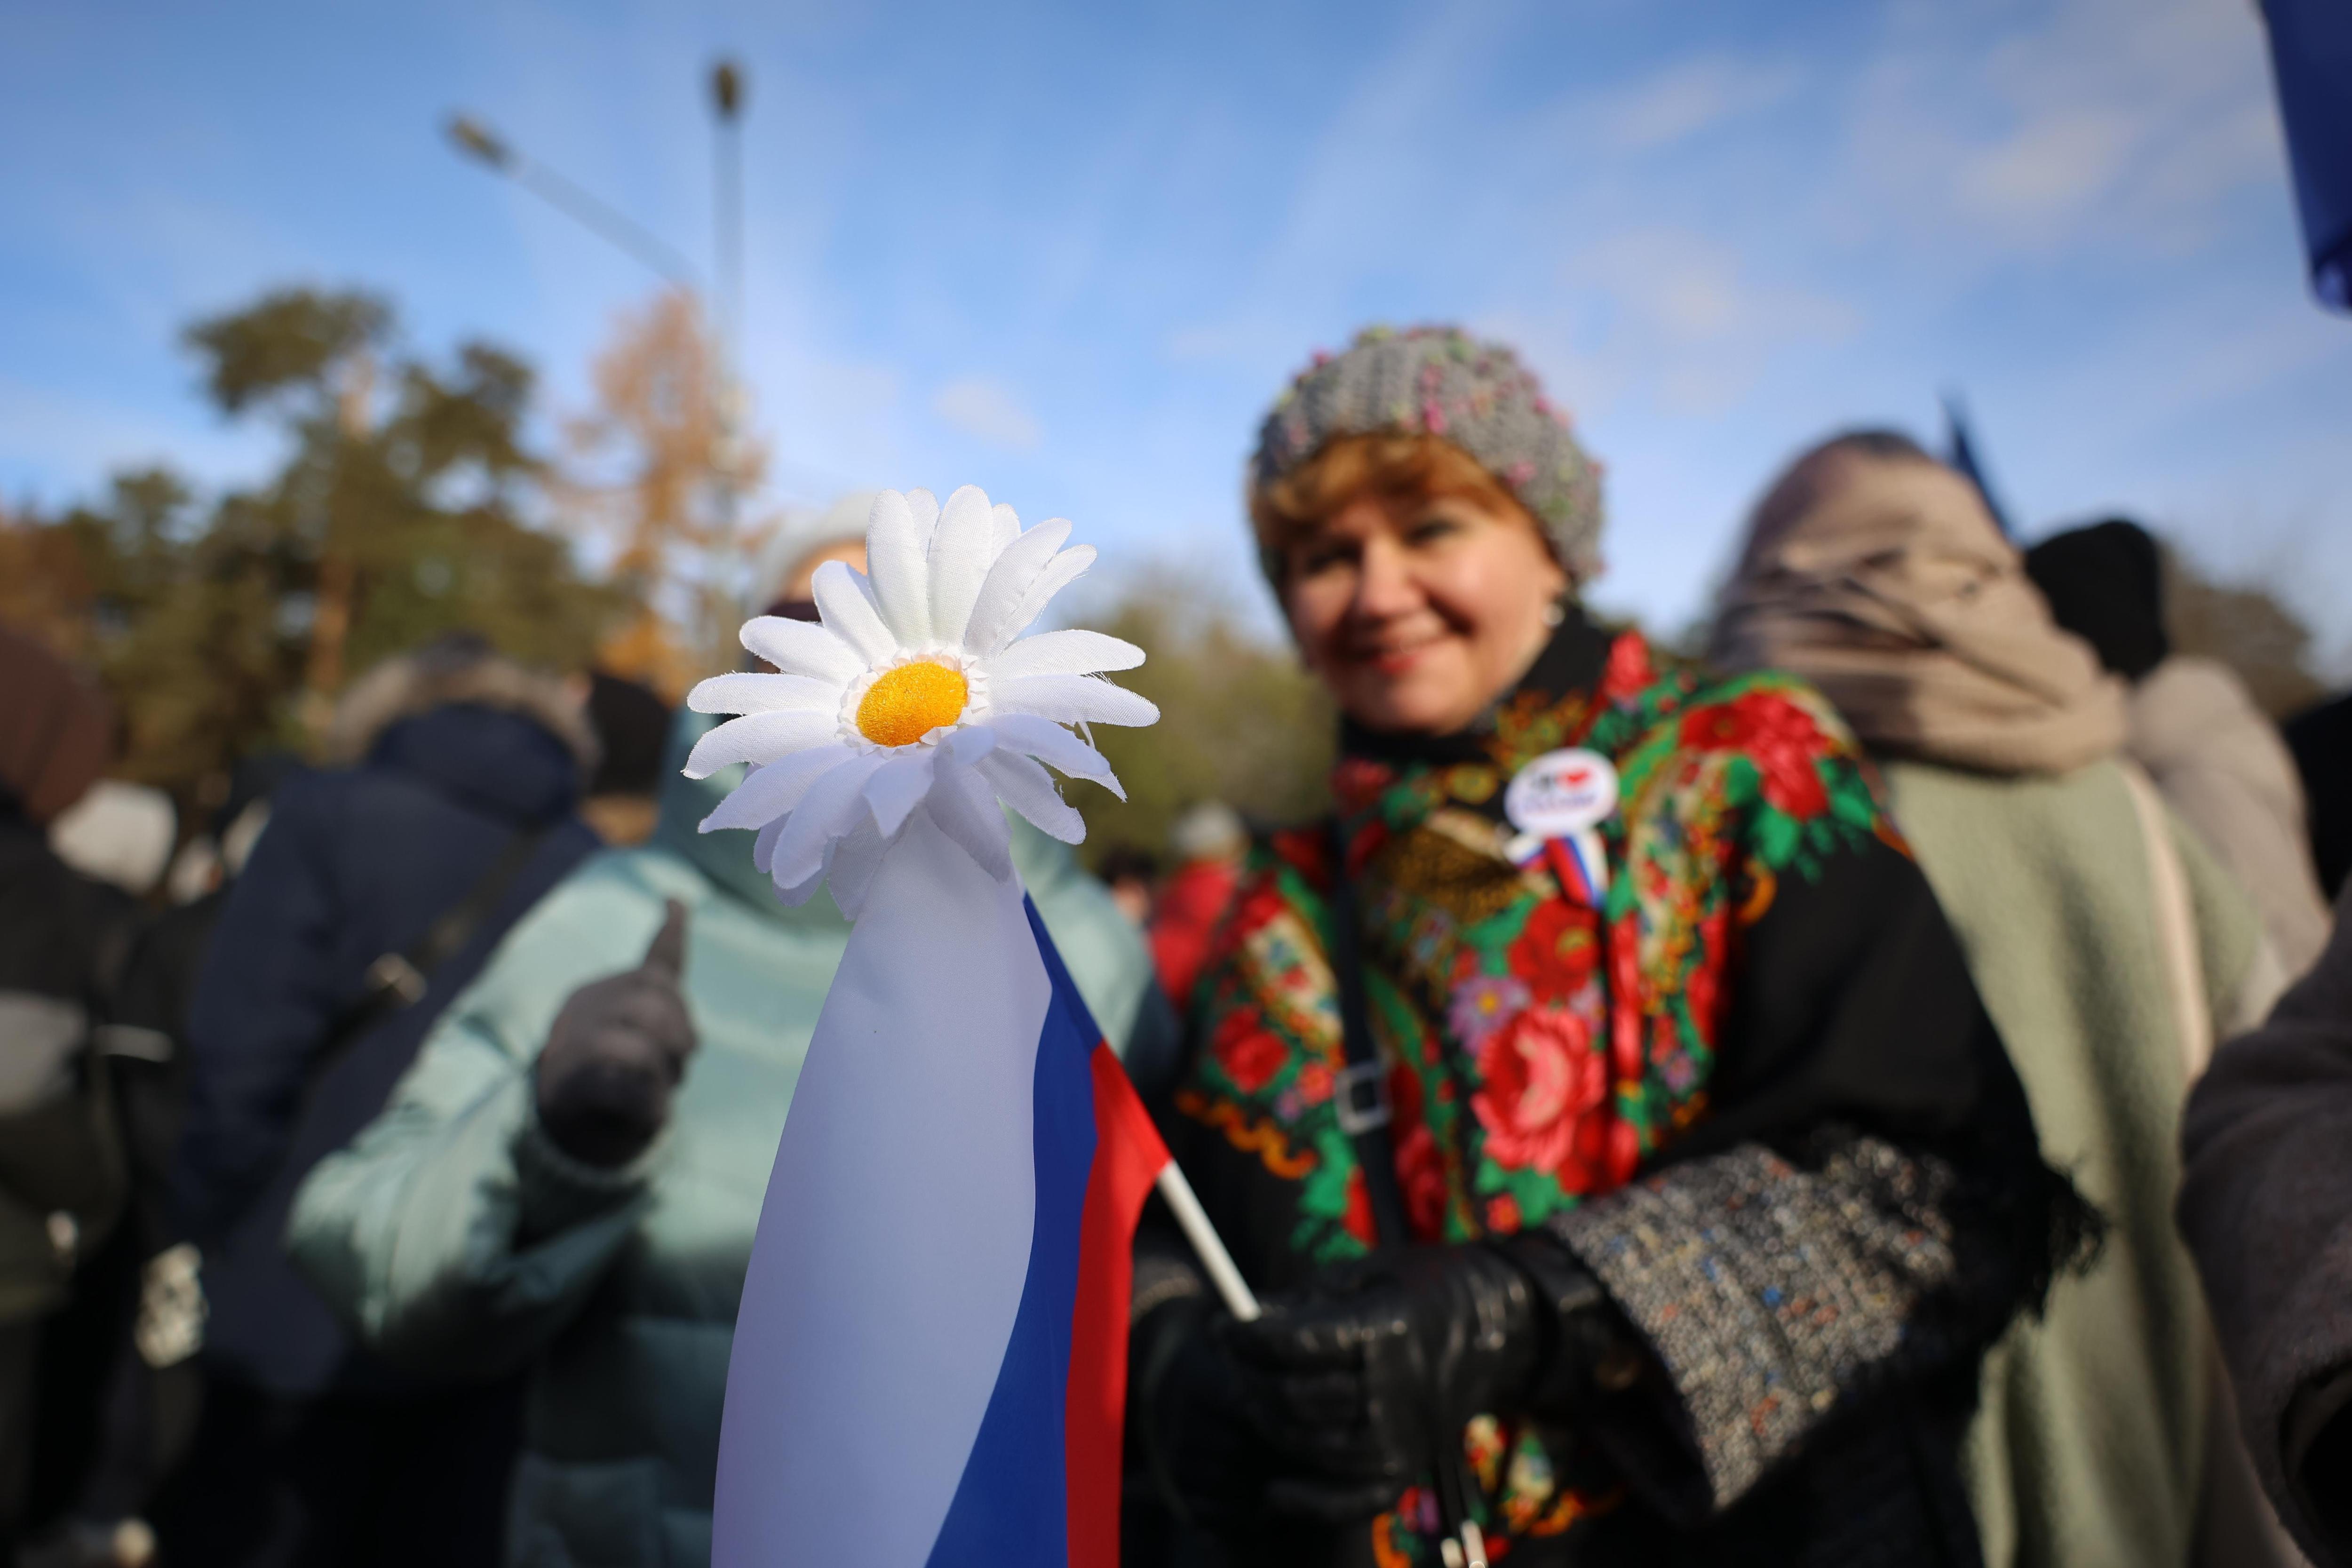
897	787
1071	699
925	508
849	613
1056	747
964	807
763	848
802	648
749	692
1029	790
1008	585
1059	573
802	892
1008	527
894	563
759	738
1063	653
775	790
971	743
850	866
962	552
829	810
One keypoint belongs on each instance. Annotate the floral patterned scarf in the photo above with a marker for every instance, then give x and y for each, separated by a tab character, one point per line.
1538	1049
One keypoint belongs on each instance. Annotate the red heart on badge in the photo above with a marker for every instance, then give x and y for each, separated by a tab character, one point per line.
1577	775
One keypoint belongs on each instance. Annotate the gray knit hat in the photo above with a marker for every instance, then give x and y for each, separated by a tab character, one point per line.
1440	381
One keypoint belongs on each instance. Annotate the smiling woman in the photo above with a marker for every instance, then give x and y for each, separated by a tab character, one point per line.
1415	584
1601	1211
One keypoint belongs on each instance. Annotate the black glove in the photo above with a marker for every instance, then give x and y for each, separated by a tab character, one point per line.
1357	1387
616	1052
1189	1422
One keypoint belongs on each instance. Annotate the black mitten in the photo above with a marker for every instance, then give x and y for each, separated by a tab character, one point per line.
615	1053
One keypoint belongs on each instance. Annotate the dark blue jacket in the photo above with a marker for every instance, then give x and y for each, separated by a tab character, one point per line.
354	864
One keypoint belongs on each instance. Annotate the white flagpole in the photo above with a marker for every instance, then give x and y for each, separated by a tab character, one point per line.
1178	1191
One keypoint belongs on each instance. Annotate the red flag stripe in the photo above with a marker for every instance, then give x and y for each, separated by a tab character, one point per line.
1128	1158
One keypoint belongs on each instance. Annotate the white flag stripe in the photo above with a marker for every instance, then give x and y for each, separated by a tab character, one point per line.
894	1242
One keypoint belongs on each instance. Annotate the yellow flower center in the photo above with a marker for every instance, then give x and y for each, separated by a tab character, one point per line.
908	702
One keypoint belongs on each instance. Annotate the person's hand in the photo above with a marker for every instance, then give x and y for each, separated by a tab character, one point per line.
1320	1412
1362	1382
1359	1385
1190	1419
615	1053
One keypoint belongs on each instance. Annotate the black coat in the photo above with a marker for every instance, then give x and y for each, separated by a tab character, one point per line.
354	864
2267	1205
59	937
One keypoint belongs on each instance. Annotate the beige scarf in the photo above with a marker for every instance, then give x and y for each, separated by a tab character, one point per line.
1884	582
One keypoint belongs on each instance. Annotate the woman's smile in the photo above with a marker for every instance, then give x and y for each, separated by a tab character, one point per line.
1419	609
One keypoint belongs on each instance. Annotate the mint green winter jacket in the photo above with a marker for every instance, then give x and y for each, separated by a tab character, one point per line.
455	1236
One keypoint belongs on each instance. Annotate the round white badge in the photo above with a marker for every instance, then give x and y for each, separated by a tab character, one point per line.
1561	791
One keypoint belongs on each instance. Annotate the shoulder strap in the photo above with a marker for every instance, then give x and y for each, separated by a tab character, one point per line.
399	980
2176	925
1362	1095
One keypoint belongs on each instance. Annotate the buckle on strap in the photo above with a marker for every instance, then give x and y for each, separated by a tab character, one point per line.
394	976
1360	1096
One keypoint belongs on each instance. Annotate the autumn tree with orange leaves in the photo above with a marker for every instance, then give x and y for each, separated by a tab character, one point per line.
653	466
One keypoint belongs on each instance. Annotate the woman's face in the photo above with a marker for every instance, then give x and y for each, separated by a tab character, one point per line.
1417	611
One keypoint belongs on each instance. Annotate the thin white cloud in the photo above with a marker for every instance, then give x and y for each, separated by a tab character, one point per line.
1688	288
988	409
1685	318
1690	97
2095	122
2051	165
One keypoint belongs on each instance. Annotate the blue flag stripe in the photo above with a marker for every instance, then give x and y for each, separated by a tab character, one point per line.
1011	1506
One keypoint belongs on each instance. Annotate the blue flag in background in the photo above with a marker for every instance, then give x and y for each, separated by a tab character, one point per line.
1960	452
2311	58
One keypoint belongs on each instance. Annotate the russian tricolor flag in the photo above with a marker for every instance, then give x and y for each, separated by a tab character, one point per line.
930	1359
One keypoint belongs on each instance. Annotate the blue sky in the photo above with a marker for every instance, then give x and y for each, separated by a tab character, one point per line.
1069	253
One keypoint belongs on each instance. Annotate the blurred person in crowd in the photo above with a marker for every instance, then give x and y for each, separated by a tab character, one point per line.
2215	757
2267	1208
376	893
570	1179
137	1325
632	725
1208	842
2107	946
1642	1183
1131	875
213	857
2321	740
2267	1204
788	565
120	833
62	1179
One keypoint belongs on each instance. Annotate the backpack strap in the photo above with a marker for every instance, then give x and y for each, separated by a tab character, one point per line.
398	980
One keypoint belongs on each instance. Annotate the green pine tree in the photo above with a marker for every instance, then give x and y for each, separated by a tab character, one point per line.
406	506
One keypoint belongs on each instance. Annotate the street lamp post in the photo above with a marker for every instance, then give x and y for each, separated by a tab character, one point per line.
727	95
478	142
727	264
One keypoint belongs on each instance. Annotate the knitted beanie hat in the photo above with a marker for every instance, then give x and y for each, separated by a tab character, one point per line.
1440	381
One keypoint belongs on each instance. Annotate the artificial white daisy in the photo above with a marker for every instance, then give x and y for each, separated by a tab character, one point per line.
912	691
